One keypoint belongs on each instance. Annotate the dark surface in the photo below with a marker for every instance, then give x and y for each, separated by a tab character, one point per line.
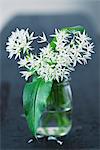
85	86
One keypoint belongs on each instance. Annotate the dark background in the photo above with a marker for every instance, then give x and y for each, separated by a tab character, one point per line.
85	133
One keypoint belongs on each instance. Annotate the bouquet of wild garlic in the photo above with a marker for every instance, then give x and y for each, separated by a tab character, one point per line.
69	46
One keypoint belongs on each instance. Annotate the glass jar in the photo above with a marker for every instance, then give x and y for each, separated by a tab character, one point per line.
57	119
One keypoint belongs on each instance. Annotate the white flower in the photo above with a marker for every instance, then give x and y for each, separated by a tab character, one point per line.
23	62
32	60
43	38
26	74
82	36
61	35
89	47
47	54
60	46
30	37
19	41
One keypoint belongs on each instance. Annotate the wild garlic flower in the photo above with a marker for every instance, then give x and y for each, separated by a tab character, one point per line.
23	62
26	74
19	42
52	63
43	38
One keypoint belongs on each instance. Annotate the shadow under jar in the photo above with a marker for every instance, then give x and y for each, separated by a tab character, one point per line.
57	119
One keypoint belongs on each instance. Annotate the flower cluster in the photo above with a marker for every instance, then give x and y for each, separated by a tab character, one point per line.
18	42
53	62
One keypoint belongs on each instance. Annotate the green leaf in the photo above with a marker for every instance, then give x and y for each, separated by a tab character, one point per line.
34	101
67	29
76	28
